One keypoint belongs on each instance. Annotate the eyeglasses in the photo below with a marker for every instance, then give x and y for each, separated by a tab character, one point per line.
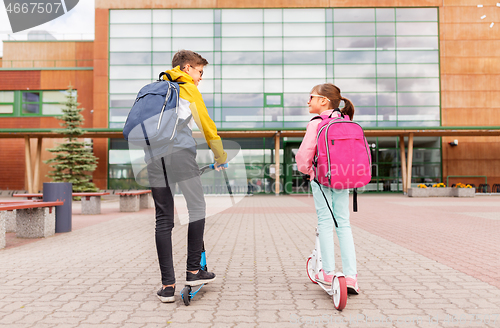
311	97
201	72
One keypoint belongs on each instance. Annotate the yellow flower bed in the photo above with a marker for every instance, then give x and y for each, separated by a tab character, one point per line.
422	186
439	185
461	185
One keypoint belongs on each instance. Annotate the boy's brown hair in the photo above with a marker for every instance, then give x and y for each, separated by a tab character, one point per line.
184	57
332	92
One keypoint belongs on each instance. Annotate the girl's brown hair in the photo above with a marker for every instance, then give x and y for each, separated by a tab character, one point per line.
332	92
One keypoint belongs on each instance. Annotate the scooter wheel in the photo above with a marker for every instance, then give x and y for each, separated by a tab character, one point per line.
185	295
310	270
339	288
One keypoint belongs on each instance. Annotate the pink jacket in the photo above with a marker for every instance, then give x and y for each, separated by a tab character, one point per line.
307	149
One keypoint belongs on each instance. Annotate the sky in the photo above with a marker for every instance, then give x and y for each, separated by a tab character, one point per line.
78	24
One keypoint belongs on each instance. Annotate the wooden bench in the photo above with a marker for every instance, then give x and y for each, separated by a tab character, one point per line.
91	204
91	201
134	200
34	219
9	216
29	196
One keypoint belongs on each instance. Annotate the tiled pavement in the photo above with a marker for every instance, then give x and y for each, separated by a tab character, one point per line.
421	263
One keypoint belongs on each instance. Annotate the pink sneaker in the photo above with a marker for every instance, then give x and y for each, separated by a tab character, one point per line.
352	284
324	278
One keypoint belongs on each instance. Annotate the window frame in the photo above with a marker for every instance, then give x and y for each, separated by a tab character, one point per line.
13	103
18	103
22	102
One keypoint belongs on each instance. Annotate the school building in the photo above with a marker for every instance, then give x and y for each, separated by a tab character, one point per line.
421	74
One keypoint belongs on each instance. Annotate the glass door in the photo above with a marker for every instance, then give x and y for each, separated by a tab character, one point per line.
294	180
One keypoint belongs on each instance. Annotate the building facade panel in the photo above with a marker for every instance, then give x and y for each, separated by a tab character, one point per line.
474	167
100	102
271	4
35	54
85	54
19	122
470	65
58	80
385	3
471	48
101	26
100	175
471	14
120	4
469	31
19	80
101	51
483	151
13	164
470	82
183	4
471	116
467	3
39	50
472	99
470	89
49	122
419	3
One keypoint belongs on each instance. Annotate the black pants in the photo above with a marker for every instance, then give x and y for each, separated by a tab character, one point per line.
180	168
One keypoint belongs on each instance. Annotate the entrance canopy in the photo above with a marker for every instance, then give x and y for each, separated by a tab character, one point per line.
406	164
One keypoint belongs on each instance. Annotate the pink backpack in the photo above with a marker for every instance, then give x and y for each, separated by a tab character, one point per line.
343	159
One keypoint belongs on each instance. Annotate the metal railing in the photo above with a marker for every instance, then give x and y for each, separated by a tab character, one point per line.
466	176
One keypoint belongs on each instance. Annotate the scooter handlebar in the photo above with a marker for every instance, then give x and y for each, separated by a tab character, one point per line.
225	165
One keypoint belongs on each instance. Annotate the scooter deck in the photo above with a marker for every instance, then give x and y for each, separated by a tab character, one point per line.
326	288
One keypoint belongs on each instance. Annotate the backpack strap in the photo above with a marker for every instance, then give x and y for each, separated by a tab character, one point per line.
326	201
160	78
355	200
170	148
162	74
322	117
337	110
186	121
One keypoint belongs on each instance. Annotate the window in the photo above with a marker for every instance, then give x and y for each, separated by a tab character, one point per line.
266	61
6	102
274	100
32	103
53	102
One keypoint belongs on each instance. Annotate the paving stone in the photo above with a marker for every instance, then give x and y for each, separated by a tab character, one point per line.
12	318
106	274
203	316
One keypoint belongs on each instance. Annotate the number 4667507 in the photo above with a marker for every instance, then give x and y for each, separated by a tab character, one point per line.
33	7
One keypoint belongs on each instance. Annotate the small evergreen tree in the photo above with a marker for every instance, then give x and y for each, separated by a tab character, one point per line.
74	160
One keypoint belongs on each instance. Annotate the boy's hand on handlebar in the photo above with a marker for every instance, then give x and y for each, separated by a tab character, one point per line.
219	167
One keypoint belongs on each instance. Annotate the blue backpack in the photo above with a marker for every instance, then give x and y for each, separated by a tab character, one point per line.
153	122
